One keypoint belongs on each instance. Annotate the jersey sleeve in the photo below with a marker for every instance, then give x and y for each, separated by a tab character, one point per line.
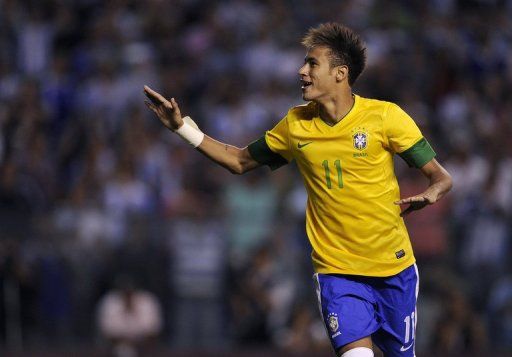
272	149
405	138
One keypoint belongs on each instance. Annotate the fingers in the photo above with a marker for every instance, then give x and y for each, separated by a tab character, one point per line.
175	105
412	199
157	100
155	97
406	211
414	206
415	203
150	105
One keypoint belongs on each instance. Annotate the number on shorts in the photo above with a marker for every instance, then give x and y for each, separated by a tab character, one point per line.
410	327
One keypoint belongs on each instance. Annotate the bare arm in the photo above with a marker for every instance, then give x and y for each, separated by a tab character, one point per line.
236	160
440	184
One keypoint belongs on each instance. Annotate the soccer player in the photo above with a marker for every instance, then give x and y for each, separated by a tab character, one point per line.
365	272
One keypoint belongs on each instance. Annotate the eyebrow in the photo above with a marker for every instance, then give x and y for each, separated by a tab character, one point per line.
309	59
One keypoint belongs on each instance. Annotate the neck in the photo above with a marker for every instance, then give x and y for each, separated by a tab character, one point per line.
337	107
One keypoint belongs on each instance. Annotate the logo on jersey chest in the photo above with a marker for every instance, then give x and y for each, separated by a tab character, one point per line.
360	138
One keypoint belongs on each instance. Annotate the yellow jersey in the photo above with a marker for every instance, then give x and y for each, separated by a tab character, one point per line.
351	220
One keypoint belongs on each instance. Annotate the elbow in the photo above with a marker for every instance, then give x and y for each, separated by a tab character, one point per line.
237	169
240	166
449	182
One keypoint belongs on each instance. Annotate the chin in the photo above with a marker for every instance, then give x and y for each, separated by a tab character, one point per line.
309	95
306	97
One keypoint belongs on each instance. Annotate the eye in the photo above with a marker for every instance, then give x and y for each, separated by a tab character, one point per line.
311	62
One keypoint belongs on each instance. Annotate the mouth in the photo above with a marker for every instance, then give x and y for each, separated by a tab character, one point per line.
305	84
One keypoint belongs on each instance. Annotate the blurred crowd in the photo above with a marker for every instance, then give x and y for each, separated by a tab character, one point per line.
104	212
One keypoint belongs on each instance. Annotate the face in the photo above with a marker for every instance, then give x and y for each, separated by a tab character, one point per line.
319	81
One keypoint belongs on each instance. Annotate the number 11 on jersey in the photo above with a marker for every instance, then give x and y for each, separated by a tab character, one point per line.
337	165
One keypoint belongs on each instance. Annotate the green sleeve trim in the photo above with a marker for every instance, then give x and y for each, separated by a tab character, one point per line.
418	154
260	152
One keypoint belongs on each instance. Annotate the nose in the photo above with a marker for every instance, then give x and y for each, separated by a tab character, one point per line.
303	70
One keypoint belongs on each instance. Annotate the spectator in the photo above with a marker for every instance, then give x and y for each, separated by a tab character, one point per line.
197	276
130	319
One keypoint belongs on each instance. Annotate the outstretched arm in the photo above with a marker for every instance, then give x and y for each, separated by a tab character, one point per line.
440	184
236	160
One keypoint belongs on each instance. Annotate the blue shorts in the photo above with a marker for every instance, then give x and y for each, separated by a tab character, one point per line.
354	307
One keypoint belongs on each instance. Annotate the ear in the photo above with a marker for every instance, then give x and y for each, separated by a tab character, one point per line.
341	73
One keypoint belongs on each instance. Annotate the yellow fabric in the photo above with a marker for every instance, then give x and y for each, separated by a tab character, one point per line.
353	226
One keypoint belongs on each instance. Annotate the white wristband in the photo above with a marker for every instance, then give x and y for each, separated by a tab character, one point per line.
190	132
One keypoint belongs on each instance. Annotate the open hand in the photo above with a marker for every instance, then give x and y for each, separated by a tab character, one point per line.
415	203
167	111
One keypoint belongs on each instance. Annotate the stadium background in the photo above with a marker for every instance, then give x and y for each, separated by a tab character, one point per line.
93	191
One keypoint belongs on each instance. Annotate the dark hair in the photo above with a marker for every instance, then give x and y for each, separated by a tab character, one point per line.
346	47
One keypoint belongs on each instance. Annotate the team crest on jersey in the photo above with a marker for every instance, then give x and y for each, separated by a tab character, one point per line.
360	139
333	321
